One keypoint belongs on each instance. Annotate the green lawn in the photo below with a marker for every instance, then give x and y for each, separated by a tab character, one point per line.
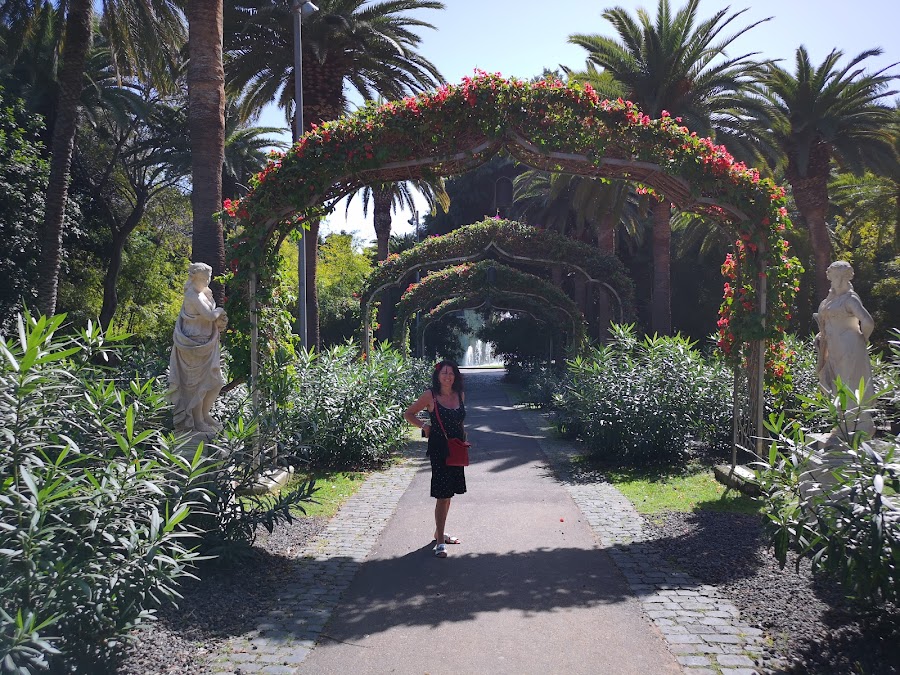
332	490
692	489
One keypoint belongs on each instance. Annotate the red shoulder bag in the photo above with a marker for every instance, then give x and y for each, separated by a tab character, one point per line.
459	450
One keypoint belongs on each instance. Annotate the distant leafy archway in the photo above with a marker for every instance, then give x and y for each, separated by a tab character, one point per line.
513	243
477	280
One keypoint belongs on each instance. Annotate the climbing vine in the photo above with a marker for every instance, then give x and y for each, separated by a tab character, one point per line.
457	127
514	238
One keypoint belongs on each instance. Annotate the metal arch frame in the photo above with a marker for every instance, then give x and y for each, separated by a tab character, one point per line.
481	255
405	319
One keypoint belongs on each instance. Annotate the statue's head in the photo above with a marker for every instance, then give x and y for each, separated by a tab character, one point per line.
839	270
199	271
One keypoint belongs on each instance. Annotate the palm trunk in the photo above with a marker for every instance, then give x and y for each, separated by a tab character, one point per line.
661	308
381	210
206	105
71	76
811	197
323	99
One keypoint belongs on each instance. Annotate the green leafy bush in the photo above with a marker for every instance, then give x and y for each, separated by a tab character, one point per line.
93	502
645	401
834	498
238	506
520	341
346	410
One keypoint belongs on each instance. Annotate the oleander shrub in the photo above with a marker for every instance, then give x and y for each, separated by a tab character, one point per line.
94	502
639	401
540	385
835	501
237	507
887	376
338	410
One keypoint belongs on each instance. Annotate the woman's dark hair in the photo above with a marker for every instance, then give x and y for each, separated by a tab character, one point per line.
457	376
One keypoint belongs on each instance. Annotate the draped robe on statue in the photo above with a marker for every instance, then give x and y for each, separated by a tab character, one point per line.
195	366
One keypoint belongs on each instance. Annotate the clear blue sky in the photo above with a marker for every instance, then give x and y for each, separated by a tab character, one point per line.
521	38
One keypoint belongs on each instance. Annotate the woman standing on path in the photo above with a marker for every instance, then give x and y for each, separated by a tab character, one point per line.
446	398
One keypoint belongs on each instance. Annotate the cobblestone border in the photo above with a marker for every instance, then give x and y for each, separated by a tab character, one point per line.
702	628
287	632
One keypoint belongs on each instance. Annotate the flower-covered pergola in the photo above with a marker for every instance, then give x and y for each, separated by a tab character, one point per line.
479	280
511	242
546	125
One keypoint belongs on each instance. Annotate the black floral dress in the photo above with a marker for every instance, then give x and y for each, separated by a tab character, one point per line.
446	481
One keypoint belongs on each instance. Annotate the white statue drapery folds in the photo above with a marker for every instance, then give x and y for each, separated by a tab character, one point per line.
844	330
195	368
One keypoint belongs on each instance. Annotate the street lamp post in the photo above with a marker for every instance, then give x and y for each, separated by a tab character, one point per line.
300	9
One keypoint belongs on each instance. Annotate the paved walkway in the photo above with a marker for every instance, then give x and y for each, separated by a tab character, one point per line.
552	576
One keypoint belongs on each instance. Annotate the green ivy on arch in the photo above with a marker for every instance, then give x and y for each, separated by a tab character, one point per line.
507	241
474	280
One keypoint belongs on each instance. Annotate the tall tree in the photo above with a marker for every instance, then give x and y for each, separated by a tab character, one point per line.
677	64
132	162
385	199
825	113
144	39
370	46
74	54
206	120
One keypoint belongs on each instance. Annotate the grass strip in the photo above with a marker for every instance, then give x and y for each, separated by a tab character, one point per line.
332	490
694	490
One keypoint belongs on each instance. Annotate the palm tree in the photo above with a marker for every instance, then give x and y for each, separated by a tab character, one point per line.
246	150
386	198
822	113
206	119
144	44
370	46
679	65
79	18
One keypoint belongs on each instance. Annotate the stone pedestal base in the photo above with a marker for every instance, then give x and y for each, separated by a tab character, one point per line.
740	478
189	441
270	481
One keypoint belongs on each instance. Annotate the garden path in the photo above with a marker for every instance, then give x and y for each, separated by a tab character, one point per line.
550	577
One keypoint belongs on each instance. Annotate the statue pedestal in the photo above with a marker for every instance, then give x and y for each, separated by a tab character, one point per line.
188	442
271	480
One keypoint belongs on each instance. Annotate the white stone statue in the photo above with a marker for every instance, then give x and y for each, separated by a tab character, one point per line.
844	330
195	368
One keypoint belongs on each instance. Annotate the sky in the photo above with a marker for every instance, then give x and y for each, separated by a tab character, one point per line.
520	38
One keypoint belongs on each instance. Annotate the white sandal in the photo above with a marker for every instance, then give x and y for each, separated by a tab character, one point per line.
440	551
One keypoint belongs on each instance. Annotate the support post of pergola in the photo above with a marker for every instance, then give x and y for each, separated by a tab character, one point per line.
254	365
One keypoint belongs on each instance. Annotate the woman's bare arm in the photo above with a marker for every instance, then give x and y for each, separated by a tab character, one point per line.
420	404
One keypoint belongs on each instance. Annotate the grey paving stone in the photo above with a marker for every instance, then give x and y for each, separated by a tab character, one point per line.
694	649
278	670
735	660
692	660
719	638
683	638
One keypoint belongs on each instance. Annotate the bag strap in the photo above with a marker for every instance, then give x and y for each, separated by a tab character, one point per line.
437	415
